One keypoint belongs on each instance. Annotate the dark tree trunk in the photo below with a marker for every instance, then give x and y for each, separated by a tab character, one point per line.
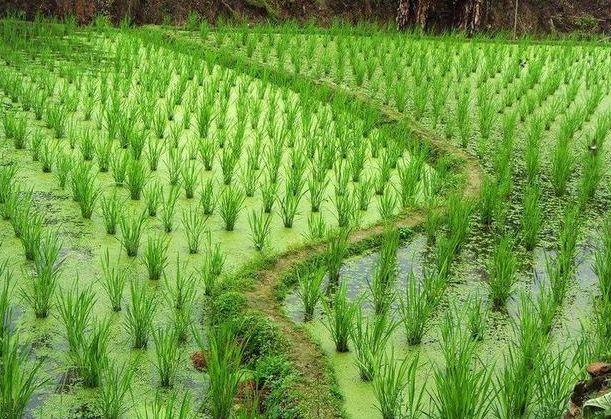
412	12
470	13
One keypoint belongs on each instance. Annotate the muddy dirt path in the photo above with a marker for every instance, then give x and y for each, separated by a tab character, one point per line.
304	352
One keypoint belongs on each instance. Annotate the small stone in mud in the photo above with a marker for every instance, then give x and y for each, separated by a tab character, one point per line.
198	359
597	369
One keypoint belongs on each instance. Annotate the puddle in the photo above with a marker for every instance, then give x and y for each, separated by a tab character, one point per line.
358	270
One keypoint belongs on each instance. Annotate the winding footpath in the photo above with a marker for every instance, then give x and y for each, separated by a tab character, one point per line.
316	381
307	356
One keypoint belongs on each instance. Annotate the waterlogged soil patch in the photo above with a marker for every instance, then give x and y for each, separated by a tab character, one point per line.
237	181
193	163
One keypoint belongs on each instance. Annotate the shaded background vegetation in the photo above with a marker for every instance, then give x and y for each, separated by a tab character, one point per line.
538	16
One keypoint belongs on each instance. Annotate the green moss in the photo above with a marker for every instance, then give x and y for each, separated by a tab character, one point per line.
259	335
227	307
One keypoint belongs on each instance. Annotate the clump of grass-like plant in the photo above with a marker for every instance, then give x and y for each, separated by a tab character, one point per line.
260	228
317	228
111	212
560	267
31	230
47	154
269	192
224	357
91	357
310	291
153	194
154	147
382	285
131	231
63	168
514	386
462	390
488	201
103	152
113	281
36	144
181	296
476	317
75	307
554	382
40	292
337	249
155	256
116	383
20	377
167	356
6	310
190	176
289	205
592	172
231	203
118	165
193	224
168	208
139	314
415	308
369	337
84	189
395	389
561	166
212	266
339	312
207	198
135	179
7	182
502	272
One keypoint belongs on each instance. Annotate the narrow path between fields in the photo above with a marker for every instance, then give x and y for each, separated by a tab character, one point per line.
317	382
304	352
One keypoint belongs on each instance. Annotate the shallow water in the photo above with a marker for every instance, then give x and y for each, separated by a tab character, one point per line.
359	396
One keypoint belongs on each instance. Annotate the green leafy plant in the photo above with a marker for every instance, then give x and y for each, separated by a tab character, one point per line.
231	203
153	195
155	256
135	178
416	309
339	314
111	212
502	272
116	383
194	226
224	356
113	281
131	231
370	337
310	291
140	313
40	292
395	382
168	208
20	378
167	355
337	249
462	390
260	228
75	308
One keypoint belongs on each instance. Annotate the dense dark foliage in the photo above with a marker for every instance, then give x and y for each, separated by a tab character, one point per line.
593	16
